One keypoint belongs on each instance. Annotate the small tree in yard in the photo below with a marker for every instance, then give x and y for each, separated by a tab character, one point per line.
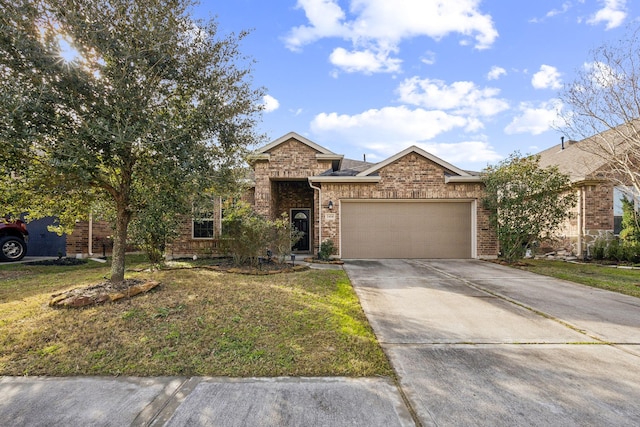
153	107
526	203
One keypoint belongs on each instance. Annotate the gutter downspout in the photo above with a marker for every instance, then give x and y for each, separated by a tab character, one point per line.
581	221
319	211
90	248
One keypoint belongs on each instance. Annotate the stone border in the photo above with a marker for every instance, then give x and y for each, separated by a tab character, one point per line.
82	297
319	261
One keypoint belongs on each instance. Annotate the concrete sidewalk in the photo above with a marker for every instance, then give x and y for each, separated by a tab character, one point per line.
220	402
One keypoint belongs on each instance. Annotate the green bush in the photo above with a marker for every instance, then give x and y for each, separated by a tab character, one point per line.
245	234
283	236
599	248
326	250
631	251
614	251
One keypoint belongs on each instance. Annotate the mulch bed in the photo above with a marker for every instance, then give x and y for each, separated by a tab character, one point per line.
320	261
59	261
226	265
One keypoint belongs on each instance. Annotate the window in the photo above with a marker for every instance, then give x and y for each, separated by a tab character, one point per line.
203	220
620	193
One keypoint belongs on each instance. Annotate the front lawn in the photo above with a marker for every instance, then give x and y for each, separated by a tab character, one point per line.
198	322
622	280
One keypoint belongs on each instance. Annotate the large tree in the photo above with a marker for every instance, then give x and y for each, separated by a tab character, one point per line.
526	203
155	103
602	106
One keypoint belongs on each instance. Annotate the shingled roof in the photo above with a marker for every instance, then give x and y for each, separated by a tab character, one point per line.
580	159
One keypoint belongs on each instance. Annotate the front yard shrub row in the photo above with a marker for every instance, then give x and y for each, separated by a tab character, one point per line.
626	248
616	249
247	236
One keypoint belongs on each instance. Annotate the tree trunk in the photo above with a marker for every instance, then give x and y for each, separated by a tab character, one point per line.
120	243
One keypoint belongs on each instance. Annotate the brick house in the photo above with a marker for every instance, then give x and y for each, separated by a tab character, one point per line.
411	205
598	211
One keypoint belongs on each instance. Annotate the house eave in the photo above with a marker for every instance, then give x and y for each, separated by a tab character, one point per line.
323	156
462	179
258	157
344	179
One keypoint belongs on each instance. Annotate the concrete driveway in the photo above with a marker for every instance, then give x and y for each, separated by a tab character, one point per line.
476	343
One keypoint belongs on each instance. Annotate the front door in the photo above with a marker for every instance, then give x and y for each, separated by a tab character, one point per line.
300	220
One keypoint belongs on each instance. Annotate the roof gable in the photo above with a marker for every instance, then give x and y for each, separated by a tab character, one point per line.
413	149
293	135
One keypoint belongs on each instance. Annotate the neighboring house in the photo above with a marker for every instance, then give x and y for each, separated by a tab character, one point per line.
598	211
411	205
43	242
89	238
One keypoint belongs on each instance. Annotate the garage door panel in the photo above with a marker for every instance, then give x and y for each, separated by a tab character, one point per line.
399	229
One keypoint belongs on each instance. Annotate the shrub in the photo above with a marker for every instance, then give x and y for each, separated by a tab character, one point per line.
631	251
599	248
245	234
283	236
326	250
614	251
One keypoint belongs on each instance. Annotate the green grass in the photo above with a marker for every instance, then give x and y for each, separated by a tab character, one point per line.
198	322
624	281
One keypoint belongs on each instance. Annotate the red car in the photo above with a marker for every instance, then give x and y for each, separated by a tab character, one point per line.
13	240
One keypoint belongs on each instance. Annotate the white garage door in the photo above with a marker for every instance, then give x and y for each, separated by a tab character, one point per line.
405	229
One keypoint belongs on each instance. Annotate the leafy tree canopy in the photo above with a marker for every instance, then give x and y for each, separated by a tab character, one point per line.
526	203
156	104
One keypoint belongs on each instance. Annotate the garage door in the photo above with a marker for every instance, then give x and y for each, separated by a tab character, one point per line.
405	229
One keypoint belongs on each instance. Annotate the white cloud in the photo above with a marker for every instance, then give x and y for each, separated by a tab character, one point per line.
378	26
366	61
270	103
460	97
547	78
479	152
325	17
565	8
535	120
429	58
389	124
386	131
553	12
496	72
613	14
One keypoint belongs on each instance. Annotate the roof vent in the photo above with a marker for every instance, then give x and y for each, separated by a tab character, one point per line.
562	142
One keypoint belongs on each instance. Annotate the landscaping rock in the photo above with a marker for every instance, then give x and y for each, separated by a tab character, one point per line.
101	293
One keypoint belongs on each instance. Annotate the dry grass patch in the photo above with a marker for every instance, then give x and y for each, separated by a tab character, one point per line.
199	322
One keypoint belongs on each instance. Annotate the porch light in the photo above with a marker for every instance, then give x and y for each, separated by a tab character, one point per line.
330	205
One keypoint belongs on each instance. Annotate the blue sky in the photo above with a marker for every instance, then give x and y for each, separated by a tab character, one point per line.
469	81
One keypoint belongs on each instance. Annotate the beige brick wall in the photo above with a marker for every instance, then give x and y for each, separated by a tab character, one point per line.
592	217
289	161
78	241
411	177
